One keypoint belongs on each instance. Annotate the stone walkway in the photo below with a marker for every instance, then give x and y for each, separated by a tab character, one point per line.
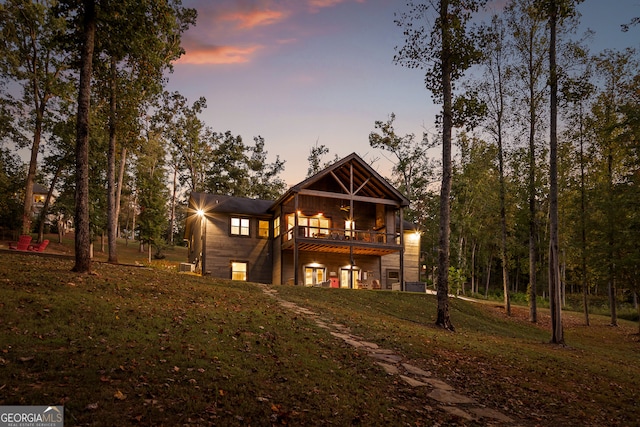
443	394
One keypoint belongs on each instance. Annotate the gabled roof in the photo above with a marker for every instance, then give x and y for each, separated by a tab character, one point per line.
337	179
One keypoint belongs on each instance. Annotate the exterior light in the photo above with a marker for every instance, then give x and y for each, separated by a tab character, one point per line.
203	241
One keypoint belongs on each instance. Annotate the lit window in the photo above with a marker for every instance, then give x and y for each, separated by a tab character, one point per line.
276	227
263	229
349	226
239	271
240	226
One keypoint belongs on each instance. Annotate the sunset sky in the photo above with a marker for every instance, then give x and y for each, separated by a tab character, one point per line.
298	72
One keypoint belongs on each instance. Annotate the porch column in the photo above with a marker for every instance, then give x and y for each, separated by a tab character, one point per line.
402	286
295	240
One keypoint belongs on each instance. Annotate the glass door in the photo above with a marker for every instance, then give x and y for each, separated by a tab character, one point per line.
344	278
314	276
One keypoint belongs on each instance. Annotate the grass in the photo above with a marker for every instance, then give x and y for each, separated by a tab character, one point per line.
146	345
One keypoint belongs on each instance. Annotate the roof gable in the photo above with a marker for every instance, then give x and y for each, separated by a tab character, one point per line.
350	175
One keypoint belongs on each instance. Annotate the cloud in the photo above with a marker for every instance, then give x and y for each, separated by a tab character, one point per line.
316	5
255	18
200	54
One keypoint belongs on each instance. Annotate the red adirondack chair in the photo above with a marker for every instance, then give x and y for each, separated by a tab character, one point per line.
22	244
38	247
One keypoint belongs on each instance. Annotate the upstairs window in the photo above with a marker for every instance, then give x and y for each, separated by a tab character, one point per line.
239	226
263	229
276	227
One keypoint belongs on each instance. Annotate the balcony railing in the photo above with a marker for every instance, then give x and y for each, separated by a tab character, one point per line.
341	234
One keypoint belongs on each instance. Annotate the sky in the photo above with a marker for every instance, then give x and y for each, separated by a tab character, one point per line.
307	72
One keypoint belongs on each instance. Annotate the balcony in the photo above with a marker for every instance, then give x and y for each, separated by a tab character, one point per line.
339	240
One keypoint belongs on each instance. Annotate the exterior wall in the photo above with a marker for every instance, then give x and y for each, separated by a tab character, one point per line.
332	263
222	249
411	256
411	261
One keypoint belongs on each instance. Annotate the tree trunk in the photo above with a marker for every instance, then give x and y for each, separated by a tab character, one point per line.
554	261
443	318
533	247
474	285
503	223
82	235
486	286
112	221
583	227
173	204
47	202
123	161
33	161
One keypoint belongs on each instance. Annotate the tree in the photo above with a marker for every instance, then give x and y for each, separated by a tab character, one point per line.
190	139
556	12
152	190
227	174
576	93
529	46
495	91
135	72
31	57
412	170
315	158
445	52
11	184
82	232
613	168
265	183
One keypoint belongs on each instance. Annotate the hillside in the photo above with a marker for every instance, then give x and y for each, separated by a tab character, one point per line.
149	346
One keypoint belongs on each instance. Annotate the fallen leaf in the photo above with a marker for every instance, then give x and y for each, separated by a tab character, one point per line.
92	406
119	395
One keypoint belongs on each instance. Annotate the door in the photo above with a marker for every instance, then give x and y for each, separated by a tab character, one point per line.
344	278
314	276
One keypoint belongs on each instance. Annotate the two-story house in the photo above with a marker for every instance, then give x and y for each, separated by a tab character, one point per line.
341	227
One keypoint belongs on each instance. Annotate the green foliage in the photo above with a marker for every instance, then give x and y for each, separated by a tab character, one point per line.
413	170
11	187
315	158
457	279
152	190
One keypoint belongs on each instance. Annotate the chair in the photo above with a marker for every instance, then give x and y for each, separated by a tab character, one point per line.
22	244
38	247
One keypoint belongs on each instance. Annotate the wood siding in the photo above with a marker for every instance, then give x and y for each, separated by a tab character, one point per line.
222	249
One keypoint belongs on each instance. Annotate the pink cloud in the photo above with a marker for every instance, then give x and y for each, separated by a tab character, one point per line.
255	18
203	54
316	5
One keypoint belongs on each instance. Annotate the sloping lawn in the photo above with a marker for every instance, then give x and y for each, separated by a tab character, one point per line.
149	346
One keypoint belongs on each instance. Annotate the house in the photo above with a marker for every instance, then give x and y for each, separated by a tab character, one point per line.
341	227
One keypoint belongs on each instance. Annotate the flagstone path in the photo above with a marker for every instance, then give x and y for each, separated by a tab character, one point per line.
448	399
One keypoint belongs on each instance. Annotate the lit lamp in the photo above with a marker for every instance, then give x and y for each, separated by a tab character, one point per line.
203	238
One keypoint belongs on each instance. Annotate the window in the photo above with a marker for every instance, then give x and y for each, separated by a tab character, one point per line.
314	275
349	226
309	226
239	271
263	229
276	227
239	226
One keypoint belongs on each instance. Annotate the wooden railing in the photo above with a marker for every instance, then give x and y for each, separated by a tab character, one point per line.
337	234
